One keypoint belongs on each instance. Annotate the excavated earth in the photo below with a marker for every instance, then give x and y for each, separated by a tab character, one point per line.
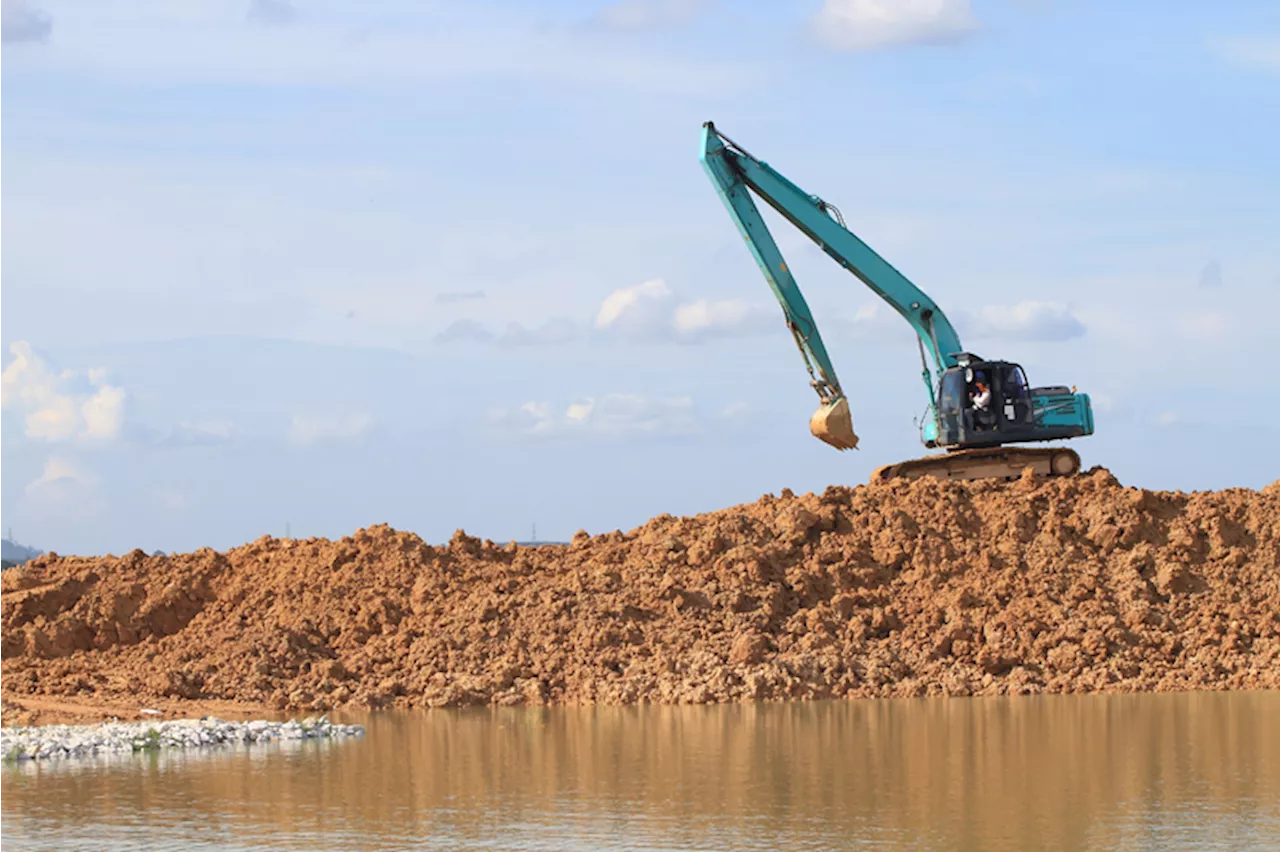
898	589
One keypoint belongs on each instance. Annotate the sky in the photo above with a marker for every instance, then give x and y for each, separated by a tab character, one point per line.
299	266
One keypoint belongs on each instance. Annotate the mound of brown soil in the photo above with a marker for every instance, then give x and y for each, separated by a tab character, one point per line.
903	589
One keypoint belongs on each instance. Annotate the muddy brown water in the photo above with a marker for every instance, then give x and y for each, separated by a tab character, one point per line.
1124	772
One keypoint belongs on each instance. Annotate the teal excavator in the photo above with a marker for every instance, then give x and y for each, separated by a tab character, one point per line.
977	408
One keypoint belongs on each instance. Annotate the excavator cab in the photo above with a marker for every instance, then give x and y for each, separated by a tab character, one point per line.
1016	411
1009	410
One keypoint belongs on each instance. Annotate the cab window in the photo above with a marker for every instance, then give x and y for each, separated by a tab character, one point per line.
1016	394
952	396
1014	384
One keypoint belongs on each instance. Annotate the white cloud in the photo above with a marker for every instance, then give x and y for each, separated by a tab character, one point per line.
870	24
579	412
61	484
613	415
61	406
1029	320
22	22
642	308
103	413
1262	52
652	311
272	12
728	318
1166	419
313	430
628	15
55	419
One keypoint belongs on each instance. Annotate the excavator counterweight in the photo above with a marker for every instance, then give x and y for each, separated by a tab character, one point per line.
977	407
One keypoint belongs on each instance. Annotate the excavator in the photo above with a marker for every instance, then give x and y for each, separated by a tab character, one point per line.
980	411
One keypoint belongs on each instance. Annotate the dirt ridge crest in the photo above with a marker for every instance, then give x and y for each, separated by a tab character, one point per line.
894	589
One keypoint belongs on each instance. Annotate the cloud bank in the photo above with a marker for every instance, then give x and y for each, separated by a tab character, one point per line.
614	415
1028	321
860	25
876	322
651	311
61	405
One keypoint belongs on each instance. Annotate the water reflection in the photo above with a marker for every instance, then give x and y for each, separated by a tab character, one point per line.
1194	771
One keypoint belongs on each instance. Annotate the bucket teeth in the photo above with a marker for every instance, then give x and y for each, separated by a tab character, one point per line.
833	424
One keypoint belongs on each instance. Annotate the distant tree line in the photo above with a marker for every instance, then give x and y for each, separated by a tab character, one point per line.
15	554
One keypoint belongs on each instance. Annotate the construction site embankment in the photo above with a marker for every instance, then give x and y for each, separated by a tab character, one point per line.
922	588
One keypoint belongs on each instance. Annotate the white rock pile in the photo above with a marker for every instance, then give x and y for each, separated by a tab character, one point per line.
44	742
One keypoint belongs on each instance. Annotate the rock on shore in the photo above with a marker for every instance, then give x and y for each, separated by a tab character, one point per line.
898	589
45	742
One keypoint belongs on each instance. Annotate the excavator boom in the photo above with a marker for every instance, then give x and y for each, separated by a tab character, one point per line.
733	170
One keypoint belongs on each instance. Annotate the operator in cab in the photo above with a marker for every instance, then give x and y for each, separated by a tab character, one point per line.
980	396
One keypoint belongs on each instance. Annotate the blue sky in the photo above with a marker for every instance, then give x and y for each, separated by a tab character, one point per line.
456	265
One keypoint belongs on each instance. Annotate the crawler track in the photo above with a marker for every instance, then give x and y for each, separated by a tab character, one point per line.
993	463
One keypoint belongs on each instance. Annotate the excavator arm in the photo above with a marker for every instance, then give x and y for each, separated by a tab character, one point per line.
733	171
832	423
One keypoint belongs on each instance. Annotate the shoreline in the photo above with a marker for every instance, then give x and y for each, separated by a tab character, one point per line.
43	711
39	712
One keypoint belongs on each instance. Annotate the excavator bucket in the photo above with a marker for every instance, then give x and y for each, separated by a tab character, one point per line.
833	424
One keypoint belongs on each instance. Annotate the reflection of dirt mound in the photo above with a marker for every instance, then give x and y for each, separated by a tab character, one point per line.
921	588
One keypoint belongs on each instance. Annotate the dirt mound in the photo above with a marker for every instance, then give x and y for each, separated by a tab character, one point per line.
902	589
